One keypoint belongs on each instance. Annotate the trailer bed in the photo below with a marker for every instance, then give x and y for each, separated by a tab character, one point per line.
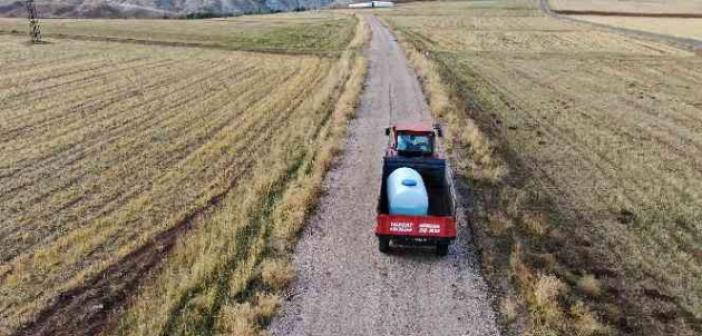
438	227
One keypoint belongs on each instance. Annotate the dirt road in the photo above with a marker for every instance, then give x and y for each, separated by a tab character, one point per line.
345	286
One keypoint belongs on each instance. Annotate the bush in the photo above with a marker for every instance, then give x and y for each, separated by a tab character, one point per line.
277	273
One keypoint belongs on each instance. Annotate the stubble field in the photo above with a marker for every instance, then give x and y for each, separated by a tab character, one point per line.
681	19
596	221
157	189
630	6
677	27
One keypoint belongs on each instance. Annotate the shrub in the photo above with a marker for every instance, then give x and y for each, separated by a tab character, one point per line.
277	273
589	285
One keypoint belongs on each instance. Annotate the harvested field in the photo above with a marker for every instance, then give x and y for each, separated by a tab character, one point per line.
594	229
666	7
317	33
678	27
679	19
117	157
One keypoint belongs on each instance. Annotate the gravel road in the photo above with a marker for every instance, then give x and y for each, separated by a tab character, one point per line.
344	285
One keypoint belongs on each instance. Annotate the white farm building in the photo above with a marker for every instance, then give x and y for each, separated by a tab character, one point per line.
372	4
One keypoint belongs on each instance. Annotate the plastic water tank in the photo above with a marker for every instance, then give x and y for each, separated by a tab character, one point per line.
407	194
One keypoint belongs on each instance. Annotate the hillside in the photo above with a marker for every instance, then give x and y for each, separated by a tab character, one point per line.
152	8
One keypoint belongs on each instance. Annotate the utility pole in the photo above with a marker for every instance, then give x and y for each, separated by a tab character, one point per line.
34	32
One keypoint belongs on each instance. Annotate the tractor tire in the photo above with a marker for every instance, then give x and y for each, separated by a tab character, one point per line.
384	244
442	249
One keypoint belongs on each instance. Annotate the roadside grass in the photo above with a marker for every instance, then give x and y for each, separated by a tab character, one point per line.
587	214
323	32
106	146
252	268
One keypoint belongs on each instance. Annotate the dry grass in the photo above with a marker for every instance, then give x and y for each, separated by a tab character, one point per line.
601	136
678	27
630	6
244	319
462	134
309	32
543	302
277	273
586	324
268	226
589	285
105	145
509	308
238	320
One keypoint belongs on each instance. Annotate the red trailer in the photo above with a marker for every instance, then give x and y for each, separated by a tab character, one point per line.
412	145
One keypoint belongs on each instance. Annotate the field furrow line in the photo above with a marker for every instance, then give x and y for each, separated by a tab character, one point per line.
262	135
110	153
66	69
184	87
594	160
45	85
117	130
665	134
684	118
247	237
55	113
39	199
105	141
254	130
640	97
62	87
113	284
74	110
258	128
604	155
12	64
636	193
172	325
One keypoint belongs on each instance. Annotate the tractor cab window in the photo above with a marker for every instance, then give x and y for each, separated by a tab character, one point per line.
416	144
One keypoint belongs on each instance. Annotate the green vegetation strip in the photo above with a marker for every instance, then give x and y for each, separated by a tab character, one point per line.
295	33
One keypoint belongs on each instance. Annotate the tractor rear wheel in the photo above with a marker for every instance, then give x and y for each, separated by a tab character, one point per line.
384	244
442	249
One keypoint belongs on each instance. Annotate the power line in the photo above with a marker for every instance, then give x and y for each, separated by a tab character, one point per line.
34	32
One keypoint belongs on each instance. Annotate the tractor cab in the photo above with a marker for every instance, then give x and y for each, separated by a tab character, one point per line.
413	139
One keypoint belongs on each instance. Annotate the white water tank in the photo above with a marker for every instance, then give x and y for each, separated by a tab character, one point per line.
407	194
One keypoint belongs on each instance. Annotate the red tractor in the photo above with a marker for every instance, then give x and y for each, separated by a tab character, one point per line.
412	145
